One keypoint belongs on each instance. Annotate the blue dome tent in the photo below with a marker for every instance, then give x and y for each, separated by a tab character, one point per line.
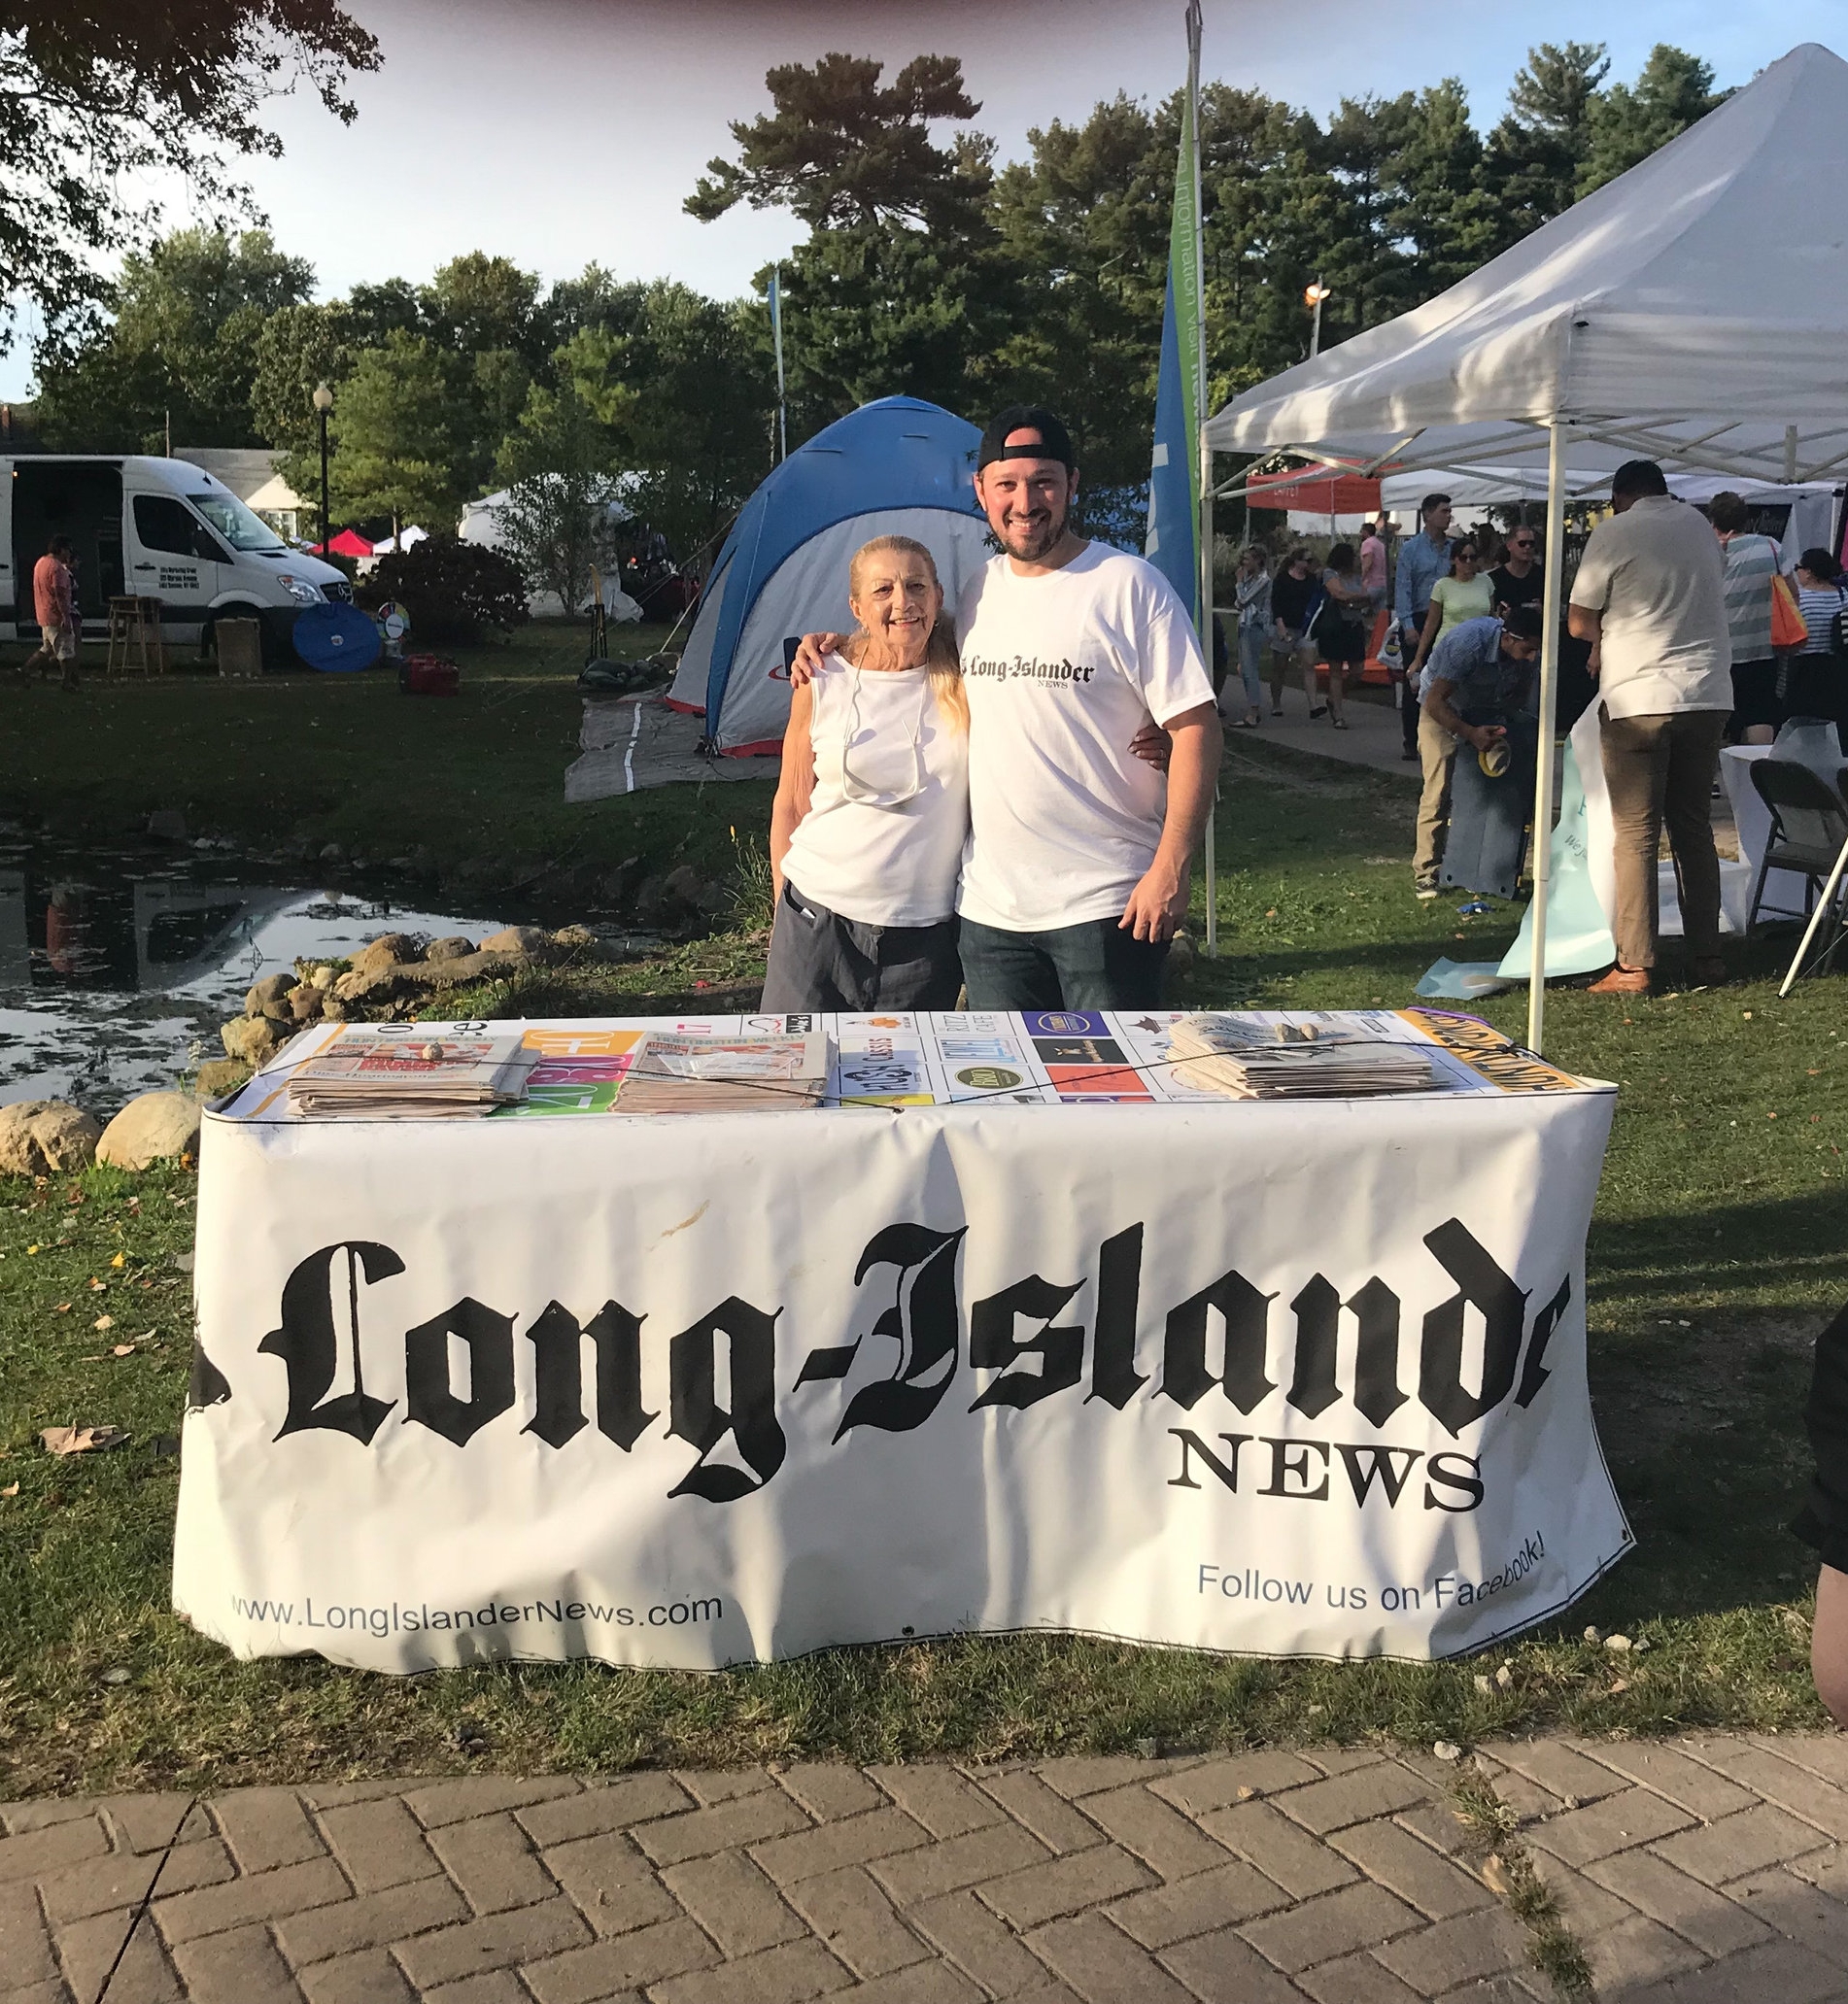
894	467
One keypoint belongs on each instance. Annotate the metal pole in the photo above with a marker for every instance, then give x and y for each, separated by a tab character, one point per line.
776	335
325	531
1549	724
1204	526
1315	325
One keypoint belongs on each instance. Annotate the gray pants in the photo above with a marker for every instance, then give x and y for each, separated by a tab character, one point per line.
819	959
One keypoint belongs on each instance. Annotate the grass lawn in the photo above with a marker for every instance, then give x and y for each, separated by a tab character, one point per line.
1720	1245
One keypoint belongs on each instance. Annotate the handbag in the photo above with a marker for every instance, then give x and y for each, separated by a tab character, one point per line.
1787	627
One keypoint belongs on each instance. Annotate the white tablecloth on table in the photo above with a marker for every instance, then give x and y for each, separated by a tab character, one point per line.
690	1391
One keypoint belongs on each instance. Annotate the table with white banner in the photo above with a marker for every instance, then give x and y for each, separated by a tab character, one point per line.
1014	1332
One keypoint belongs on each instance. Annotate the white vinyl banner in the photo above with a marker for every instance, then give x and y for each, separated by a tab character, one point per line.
1287	1379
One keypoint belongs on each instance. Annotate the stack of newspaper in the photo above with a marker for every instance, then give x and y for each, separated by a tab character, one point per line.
410	1072
1294	1061
675	1072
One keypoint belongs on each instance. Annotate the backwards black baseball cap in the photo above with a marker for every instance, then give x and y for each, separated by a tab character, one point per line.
1055	441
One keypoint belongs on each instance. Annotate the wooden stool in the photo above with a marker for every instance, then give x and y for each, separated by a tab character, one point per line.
134	637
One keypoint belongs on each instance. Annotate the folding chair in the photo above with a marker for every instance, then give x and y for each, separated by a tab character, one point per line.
1808	837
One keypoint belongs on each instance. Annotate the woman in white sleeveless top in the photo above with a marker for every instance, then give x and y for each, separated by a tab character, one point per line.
873	807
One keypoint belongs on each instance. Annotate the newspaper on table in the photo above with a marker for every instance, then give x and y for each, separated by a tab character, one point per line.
1249	1060
674	1071
412	1071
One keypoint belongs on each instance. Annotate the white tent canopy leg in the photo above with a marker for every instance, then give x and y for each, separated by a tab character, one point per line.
1553	614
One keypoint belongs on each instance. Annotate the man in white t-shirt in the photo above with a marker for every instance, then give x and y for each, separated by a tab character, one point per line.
1650	597
1079	852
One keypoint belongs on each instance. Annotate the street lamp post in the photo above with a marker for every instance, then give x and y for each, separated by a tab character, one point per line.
1313	296
324	403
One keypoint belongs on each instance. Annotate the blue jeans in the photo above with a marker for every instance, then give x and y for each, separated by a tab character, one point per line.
1095	965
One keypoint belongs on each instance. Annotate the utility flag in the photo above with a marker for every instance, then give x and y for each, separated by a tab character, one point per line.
1171	544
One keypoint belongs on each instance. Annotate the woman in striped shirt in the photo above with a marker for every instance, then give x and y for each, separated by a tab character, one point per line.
1817	684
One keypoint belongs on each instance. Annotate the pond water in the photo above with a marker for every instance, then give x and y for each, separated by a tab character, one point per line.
118	966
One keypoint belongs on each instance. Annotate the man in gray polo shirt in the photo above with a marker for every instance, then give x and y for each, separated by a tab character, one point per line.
1650	596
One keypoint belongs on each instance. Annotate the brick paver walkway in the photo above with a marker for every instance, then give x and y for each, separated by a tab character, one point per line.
1703	1869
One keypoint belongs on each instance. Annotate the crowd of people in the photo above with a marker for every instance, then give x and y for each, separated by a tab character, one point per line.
1004	801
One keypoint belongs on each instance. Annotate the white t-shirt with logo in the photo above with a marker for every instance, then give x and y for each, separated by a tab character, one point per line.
1062	670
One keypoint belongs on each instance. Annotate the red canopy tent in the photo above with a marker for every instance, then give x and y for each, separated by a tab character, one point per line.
346	544
1311	490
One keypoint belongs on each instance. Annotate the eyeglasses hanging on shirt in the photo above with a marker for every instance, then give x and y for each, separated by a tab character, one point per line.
887	777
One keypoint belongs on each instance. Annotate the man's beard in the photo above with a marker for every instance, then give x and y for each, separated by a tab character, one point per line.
1029	541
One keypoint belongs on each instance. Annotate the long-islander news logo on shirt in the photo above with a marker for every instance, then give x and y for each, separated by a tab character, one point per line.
723	1369
1024	667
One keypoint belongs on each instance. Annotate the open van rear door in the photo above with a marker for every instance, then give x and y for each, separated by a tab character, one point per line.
79	498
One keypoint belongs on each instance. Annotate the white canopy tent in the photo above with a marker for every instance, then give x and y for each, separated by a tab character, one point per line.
1692	311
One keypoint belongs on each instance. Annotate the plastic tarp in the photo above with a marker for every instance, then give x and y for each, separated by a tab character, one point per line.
1695	310
899	466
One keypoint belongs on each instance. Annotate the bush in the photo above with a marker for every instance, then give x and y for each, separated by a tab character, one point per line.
451	589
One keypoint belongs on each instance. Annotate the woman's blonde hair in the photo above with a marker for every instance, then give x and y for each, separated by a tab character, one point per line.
940	656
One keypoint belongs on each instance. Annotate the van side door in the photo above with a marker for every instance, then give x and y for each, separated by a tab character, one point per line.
173	557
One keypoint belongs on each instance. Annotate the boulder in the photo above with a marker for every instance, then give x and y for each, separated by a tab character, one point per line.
167	825
649	900
256	1040
304	1002
218	1076
153	1126
334	1012
387	950
453	949
527	939
40	1136
574	939
270	996
682	885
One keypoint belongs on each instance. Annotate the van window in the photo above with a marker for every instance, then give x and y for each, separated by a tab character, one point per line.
240	527
163	523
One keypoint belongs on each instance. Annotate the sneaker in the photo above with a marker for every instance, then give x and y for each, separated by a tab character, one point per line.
1425	891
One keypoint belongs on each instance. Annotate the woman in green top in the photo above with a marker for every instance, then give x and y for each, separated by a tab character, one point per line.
1465	595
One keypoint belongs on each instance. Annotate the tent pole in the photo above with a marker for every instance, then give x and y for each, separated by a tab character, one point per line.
1203	524
1549	725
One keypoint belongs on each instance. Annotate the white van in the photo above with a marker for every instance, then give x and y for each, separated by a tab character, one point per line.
157	528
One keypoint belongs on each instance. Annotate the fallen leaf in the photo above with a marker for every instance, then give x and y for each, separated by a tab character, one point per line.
1484	1685
63	1308
11	1489
104	1322
81	1440
1591	1636
31	1248
1619	1643
121	1259
1447	1750
124	1349
1504	1677
1495	1876
97	1286
1243	1792
1618	1688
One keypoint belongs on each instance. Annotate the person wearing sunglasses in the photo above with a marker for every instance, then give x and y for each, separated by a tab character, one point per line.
871	808
1465	595
1517	579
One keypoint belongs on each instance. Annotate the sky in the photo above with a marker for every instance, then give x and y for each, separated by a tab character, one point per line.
563	132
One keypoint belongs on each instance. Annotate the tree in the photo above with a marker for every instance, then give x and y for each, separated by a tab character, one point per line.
693	408
898	285
1533	158
182	349
97	95
1629	124
840	152
394	454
